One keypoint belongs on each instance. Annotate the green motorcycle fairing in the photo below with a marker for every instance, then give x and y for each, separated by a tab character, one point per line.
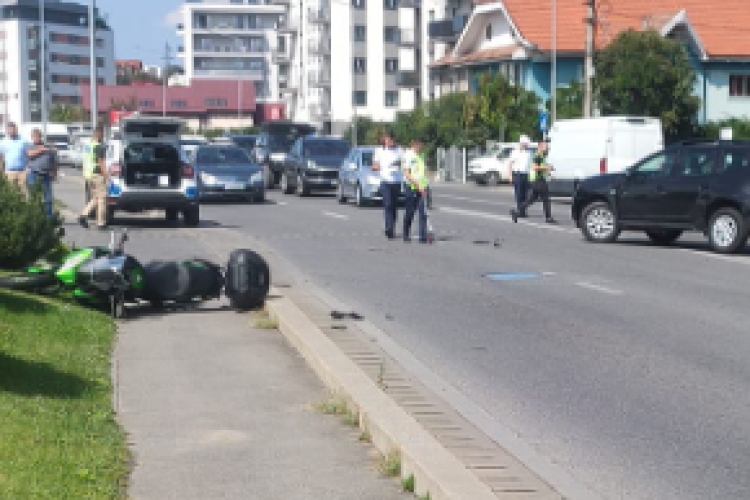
66	273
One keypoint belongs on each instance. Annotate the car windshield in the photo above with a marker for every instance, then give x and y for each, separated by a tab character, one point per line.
222	156
367	158
244	142
504	153
281	141
326	148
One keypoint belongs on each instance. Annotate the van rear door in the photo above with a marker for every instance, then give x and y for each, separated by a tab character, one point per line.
632	139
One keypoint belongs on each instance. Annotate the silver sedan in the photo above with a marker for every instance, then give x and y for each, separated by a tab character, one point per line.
356	178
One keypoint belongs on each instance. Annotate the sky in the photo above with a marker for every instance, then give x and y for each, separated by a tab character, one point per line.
142	27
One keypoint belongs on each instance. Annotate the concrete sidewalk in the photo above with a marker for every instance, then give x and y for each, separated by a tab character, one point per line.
217	410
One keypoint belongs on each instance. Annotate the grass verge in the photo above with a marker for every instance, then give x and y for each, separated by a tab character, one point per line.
58	433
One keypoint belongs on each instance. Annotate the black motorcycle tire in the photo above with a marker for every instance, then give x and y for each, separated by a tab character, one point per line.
27	281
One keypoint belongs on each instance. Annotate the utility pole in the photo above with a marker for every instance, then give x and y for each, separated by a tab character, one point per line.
43	68
588	65
553	83
92	60
167	62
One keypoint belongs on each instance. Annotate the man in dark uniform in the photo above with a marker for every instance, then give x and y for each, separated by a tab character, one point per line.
539	188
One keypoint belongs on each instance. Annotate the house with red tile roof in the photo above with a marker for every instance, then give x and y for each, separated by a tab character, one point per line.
514	37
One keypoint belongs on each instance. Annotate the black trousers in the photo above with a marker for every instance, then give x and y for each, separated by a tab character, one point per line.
390	192
415	203
539	191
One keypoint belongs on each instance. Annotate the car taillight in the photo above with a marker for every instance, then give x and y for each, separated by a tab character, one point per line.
188	172
115	170
603	166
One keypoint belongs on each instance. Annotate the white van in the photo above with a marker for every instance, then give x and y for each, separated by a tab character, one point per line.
586	147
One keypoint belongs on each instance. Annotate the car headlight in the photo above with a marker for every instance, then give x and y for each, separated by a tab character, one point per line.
256	178
311	164
208	178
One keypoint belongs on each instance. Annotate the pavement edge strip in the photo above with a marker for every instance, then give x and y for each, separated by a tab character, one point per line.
435	469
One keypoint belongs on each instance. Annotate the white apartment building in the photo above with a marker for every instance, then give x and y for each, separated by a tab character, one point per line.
353	58
234	39
66	39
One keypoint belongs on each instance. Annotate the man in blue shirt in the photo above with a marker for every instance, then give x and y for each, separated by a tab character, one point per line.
14	150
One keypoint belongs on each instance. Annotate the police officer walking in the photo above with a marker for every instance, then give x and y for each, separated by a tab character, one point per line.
387	161
539	188
415	174
520	162
95	174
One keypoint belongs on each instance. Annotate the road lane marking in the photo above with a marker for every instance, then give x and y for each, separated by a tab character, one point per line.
505	218
599	288
282	203
336	216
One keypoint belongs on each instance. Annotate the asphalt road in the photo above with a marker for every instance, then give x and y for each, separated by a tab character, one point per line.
628	365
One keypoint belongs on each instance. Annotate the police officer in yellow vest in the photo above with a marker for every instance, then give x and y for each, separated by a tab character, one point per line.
539	189
415	174
95	174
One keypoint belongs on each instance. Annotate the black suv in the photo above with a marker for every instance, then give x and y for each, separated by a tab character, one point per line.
692	185
313	164
273	144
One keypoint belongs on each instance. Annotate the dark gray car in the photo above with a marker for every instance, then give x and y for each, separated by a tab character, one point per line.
226	171
313	164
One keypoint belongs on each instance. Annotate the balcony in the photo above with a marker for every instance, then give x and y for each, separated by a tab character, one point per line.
319	47
244	74
281	56
408	79
320	112
407	38
288	24
228	50
280	2
319	78
447	29
319	16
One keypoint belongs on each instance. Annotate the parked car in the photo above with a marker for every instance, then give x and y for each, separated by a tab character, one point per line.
690	186
313	164
356	178
226	171
273	145
494	168
150	173
583	147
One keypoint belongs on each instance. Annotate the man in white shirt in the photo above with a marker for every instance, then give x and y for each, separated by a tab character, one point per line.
520	164
387	161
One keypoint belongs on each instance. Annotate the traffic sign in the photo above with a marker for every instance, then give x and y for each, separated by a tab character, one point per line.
543	121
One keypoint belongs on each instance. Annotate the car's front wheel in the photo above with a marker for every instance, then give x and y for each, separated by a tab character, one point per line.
268	175
192	216
599	223
664	237
727	231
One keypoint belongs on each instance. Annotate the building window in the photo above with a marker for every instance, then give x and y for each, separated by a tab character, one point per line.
488	31
146	103
179	104
360	33
391	34
215	102
390	4
739	85
391	98
360	65
359	98
391	65
358	4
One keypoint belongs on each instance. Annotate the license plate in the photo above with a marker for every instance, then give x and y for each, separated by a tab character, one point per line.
163	180
235	186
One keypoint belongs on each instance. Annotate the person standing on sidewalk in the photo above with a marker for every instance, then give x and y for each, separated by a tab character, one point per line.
42	168
520	164
539	188
387	161
15	151
415	174
95	174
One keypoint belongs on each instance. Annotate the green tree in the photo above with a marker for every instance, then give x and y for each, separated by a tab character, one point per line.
569	101
643	73
501	110
67	113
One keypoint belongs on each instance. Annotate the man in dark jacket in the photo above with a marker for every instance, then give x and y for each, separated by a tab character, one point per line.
42	167
539	188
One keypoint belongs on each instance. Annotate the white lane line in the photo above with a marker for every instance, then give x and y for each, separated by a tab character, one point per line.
336	216
505	218
599	288
282	203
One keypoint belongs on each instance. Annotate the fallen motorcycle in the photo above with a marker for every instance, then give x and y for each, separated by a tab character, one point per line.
107	277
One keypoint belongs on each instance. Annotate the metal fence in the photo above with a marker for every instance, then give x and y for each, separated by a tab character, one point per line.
452	163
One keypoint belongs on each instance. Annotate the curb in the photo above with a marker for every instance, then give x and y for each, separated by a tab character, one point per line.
436	471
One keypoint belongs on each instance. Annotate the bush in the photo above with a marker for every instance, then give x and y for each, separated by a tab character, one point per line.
712	130
26	234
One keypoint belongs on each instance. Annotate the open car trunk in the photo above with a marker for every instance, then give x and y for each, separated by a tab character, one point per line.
152	165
